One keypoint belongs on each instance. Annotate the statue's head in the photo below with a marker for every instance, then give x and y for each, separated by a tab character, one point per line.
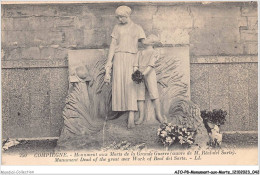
123	14
82	72
151	40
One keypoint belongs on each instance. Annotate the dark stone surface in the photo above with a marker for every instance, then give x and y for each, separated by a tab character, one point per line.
238	97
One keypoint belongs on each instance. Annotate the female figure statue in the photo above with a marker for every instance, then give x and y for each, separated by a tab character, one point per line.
122	54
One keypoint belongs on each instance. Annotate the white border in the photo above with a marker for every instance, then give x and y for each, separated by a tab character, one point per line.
122	169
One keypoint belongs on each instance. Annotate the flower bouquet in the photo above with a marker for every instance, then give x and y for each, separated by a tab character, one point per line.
170	134
216	117
137	77
212	121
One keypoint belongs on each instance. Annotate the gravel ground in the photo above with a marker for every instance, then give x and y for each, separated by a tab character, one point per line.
116	131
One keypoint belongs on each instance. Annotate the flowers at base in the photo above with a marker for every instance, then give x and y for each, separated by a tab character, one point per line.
170	134
169	140
168	129
163	133
215	137
159	131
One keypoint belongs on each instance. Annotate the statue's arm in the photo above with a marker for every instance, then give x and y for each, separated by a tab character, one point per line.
110	55
136	61
147	70
109	63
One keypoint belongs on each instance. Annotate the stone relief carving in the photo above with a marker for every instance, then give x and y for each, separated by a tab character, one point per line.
90	101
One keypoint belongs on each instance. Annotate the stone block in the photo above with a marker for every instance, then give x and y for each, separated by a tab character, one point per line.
83	22
40	23
206	48
170	17
4	39
220	10
96	9
61	53
145	22
218	89
45	10
46	37
90	38
13	54
39	127
199	21
249	11
17	88
55	37
251	48
59	90
199	85
242	21
63	22
164	22
47	53
39	81
252	23
69	10
15	38
40	106
30	53
59	77
21	24
5	103
173	10
178	36
253	96
216	30
17	10
30	38
146	11
19	81
7	24
3	54
73	38
249	35
101	21
238	97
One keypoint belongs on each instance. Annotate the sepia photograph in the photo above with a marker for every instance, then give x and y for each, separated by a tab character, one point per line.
132	83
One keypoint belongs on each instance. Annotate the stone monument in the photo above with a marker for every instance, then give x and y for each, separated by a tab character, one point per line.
88	115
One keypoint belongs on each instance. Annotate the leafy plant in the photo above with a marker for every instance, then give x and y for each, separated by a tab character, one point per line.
217	116
170	134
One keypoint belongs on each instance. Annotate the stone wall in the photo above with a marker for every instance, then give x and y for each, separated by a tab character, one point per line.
36	39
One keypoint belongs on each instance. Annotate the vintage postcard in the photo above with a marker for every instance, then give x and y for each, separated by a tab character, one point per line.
133	83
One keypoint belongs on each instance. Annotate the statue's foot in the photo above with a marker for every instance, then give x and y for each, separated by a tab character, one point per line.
139	121
162	119
130	125
165	119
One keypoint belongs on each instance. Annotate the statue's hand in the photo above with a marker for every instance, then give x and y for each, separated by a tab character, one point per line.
107	78
135	68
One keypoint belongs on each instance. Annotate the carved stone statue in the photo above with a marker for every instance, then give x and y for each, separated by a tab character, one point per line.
145	63
122	55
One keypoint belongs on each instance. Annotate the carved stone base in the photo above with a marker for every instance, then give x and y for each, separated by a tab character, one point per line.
185	112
